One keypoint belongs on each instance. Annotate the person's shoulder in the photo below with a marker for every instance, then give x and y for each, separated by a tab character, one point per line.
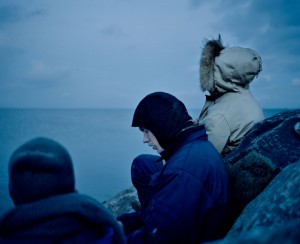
224	103
193	153
238	103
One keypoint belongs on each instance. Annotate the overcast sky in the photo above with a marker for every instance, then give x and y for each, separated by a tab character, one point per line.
111	53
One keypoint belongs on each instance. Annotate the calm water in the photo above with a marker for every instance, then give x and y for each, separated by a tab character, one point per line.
101	142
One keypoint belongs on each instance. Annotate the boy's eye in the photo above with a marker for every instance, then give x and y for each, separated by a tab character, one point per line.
144	130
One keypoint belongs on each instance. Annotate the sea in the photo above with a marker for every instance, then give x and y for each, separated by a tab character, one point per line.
101	142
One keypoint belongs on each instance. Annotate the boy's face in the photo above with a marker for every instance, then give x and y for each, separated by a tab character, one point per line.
150	138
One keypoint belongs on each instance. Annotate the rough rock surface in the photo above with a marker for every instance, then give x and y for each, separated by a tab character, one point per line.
278	203
122	202
287	233
270	146
276	137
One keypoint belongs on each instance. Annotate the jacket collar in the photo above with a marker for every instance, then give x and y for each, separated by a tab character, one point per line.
186	136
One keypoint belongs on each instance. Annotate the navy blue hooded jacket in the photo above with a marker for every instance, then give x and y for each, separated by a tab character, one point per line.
188	199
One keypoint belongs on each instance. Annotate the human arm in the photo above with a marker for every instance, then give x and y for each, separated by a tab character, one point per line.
130	221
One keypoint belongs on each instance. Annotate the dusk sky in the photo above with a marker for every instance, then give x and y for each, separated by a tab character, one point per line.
112	53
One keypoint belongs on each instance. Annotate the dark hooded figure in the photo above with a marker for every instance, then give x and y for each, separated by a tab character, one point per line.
184	192
47	208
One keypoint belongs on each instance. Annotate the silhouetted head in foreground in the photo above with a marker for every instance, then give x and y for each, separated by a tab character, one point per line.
38	169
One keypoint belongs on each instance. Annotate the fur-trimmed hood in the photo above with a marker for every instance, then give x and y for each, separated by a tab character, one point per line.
227	69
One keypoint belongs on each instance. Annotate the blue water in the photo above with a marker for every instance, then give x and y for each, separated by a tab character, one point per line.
101	142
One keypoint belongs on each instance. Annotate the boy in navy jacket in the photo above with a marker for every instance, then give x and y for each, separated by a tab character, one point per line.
184	192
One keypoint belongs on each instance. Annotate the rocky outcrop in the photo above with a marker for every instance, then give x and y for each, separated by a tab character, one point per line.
270	146
277	206
286	232
277	138
122	202
265	176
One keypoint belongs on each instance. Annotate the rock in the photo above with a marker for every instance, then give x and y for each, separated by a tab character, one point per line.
272	217
275	138
249	176
269	147
287	232
122	202
278	203
297	128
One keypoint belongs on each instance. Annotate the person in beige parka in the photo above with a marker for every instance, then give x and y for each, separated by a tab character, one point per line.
230	110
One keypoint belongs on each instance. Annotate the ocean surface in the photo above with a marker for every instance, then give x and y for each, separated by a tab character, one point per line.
101	143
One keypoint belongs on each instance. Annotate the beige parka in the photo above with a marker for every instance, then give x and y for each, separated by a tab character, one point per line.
230	111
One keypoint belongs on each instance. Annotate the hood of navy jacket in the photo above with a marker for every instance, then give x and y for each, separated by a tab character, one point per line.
163	114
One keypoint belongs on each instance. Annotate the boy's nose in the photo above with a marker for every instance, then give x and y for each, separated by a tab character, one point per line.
145	139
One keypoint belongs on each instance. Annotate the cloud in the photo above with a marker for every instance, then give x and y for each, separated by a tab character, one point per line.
195	3
46	75
113	31
10	63
4	39
136	47
11	13
296	82
268	25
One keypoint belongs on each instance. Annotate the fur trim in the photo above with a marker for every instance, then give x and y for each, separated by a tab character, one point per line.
210	51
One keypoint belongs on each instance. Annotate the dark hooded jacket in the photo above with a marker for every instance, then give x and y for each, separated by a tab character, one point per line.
187	199
66	218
